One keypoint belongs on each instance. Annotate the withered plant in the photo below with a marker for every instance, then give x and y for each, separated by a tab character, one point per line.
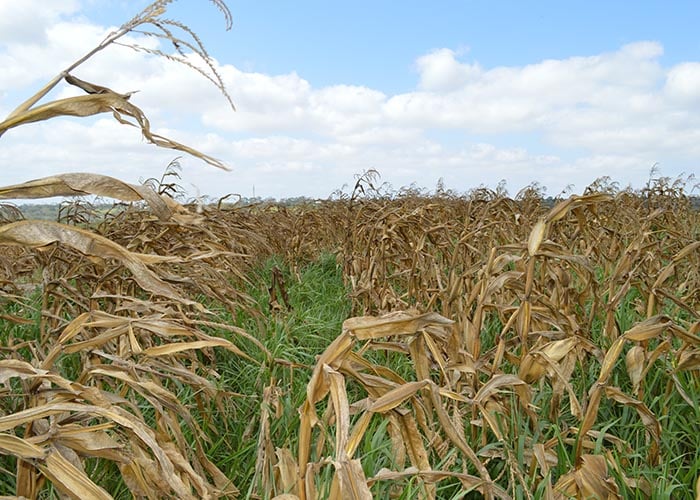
560	328
500	347
120	373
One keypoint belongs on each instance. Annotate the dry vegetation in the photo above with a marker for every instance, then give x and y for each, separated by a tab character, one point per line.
498	347
519	336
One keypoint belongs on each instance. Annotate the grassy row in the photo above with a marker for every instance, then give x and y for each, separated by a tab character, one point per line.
319	304
297	332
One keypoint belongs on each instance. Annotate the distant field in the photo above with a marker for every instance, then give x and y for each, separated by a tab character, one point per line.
50	211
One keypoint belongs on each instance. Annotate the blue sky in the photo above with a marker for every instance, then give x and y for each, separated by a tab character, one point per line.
558	93
375	43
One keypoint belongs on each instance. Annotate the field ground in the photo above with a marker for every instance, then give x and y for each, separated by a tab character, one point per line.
394	346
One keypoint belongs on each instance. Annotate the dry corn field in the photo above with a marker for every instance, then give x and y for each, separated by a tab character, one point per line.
498	348
375	344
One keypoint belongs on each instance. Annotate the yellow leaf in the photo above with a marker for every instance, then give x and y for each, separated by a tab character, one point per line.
42	233
537	235
79	184
18	447
167	349
70	480
395	397
635	366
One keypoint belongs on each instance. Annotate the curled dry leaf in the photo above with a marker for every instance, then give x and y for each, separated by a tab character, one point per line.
70	480
533	365
80	184
168	349
43	233
399	323
635	359
591	479
648	329
352	481
21	448
688	360
536	237
107	101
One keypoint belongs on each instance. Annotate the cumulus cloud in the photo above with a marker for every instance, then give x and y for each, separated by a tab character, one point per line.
28	21
59	45
683	83
440	71
556	121
515	98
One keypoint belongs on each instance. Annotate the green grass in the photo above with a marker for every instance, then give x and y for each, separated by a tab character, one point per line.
319	303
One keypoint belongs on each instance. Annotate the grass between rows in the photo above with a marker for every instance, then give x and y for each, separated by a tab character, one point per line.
318	304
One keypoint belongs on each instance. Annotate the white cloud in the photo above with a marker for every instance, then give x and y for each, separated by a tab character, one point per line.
683	83
516	98
27	21
60	45
440	71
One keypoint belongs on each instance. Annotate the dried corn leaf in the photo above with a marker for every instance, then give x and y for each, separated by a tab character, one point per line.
91	441
168	349
635	360
352	481
107	101
115	414
395	397
186	472
70	480
86	105
42	233
589	480
339	399
611	358
544	458
648	329
449	429
358	433
688	360
686	251
494	386
557	349
287	469
534	363
536	237
560	210
413	442
532	368
80	184
317	388
469	482
399	323
11	368
596	394
20	448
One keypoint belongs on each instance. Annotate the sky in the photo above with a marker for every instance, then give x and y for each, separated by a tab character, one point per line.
471	93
